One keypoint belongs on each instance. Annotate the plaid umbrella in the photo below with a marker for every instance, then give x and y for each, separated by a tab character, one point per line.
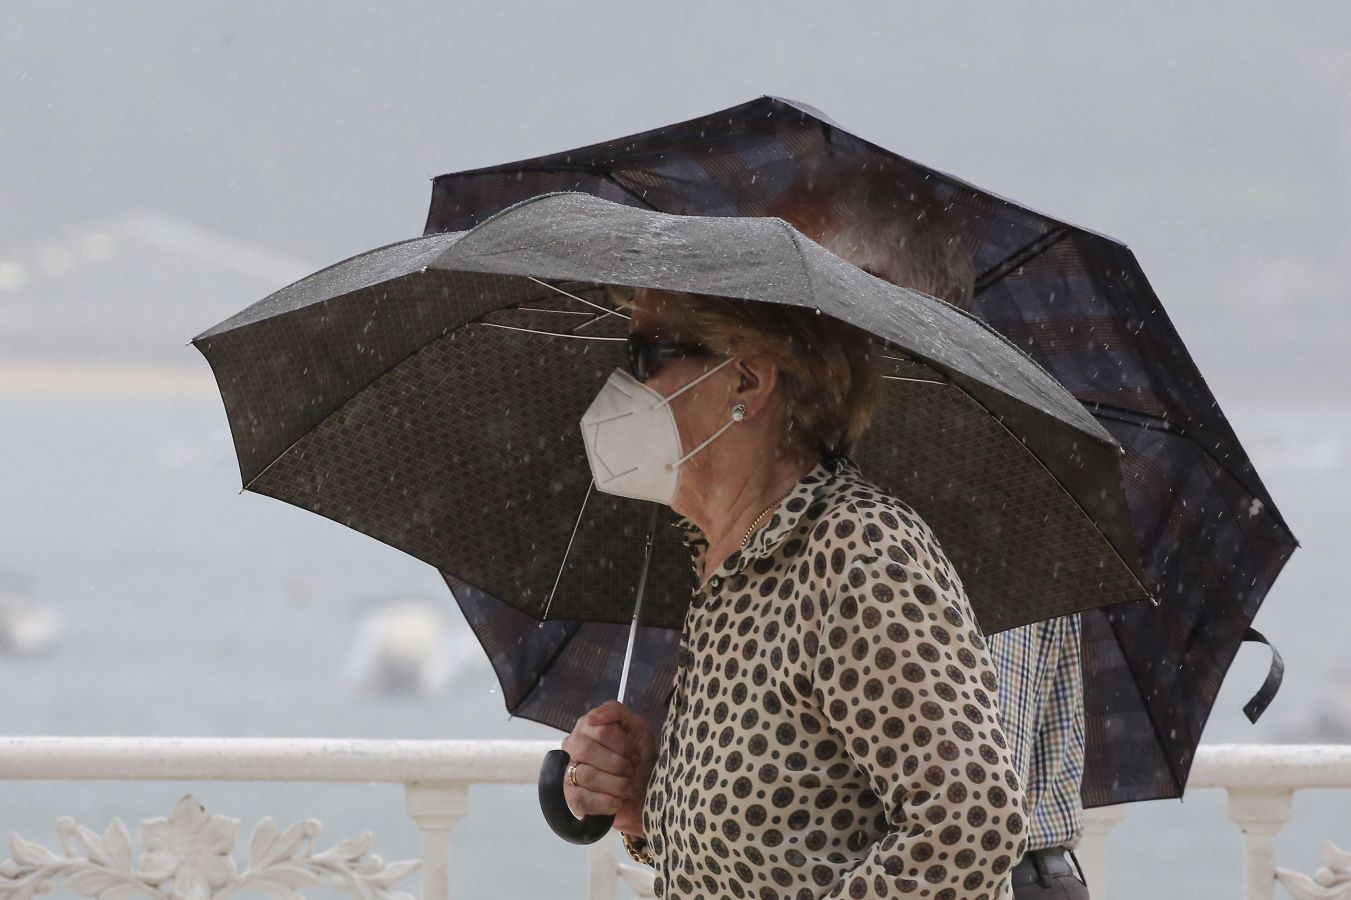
1210	537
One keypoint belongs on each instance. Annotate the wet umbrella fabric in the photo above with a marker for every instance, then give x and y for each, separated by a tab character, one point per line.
1210	537
428	394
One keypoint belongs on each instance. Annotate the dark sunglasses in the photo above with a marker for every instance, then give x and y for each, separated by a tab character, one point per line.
644	353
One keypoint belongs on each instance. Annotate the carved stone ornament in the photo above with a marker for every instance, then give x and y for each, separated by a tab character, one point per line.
1332	882
187	857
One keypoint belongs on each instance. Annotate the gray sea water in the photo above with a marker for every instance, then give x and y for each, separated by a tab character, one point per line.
192	609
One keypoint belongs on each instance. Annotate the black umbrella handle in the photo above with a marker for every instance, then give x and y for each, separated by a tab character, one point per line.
586	830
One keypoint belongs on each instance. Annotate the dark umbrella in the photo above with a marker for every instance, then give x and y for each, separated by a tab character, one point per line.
428	394
1209	535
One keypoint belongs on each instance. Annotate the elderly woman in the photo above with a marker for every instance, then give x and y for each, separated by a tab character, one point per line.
834	730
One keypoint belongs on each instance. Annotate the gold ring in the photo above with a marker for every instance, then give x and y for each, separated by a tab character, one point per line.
572	775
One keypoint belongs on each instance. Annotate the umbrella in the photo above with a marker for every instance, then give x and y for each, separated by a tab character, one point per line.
428	394
1207	532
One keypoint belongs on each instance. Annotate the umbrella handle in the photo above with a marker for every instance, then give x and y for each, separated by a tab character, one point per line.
586	830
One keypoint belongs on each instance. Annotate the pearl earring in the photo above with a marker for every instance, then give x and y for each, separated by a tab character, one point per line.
739	412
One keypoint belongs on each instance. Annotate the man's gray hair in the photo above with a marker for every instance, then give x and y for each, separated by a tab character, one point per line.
889	225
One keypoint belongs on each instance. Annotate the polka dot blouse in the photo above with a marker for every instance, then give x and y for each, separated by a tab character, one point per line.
834	730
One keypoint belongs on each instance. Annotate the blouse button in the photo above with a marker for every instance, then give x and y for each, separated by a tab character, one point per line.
715	582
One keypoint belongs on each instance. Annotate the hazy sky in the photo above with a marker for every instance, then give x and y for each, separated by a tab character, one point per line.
1214	139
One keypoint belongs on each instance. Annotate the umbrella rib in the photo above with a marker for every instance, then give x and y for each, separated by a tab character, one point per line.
575	337
915	380
548	663
593	320
1149	712
1126	416
561	312
1147	422
795	236
1020	257
902	359
590	303
575	525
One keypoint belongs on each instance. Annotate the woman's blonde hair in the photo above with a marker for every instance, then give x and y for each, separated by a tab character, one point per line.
828	369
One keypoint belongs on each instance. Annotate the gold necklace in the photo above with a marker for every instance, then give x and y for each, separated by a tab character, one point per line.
758	519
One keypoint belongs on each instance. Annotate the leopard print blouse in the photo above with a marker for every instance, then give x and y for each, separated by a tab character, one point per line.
833	730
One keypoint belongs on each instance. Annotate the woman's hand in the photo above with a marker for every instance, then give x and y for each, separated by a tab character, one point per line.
614	751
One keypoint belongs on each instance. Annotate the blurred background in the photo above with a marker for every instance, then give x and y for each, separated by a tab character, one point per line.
164	164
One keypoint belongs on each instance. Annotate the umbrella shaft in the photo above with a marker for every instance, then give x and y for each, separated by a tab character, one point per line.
638	603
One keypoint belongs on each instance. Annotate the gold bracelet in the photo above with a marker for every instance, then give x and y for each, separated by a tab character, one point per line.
637	848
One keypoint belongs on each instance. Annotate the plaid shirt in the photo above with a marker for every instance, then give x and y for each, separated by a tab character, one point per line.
1041	695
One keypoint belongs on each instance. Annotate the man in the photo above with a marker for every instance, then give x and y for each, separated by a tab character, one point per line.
891	225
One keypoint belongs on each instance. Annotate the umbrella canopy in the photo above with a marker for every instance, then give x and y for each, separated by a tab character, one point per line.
428	394
1210	539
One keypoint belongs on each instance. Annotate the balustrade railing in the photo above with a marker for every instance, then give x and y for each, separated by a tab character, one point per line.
190	853
1261	781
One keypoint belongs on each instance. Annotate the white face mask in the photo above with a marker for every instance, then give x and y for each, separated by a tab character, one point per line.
631	439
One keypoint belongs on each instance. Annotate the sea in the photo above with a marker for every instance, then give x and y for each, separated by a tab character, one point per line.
188	608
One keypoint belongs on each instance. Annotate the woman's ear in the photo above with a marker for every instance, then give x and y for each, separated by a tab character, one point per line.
757	377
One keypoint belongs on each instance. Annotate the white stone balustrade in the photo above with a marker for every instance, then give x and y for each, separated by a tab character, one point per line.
438	776
1261	780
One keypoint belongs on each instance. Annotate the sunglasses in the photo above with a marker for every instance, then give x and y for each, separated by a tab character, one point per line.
644	354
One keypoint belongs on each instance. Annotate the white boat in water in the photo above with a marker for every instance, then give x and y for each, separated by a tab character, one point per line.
408	647
26	628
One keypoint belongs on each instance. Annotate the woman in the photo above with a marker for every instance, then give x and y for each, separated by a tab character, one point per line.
833	731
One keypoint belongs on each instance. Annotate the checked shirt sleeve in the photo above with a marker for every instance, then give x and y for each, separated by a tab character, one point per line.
903	677
1041	697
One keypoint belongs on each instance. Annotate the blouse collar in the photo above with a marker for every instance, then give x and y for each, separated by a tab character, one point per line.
813	486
